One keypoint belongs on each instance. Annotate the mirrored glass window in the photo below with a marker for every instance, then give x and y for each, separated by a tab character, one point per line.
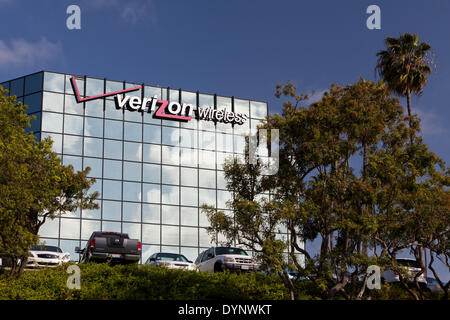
112	210
75	162
80	84
170	175
52	122
170	235
242	106
132	229
33	83
189	196
54	82
170	215
170	155
222	198
151	233
50	228
190	253
189	216
33	102
221	181
70	228
132	115
188	138
53	102
189	177
35	125
189	236
113	149
205	238
111	112
88	227
151	213
113	129
152	193
132	151
133	131
207	197
94	108
112	169
95	165
258	109
93	147
132	171
207	159
151	173
72	106
239	144
110	226
97	187
152	153
189	157
73	125
131	211
207	178
72	145
17	87
112	190
206	101
94	87
93	127
152	134
224	142
207	140
170	195
113	86
170	136
132	191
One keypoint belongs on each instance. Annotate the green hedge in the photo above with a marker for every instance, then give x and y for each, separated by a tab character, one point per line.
102	281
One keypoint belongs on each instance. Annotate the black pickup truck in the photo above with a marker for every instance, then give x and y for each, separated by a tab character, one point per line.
110	246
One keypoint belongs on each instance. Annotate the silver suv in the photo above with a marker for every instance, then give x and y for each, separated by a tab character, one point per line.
217	259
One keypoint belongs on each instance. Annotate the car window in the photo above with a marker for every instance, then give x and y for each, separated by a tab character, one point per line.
208	254
199	258
171	257
225	250
46	248
408	263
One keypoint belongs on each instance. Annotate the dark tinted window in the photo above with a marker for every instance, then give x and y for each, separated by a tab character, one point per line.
46	248
224	250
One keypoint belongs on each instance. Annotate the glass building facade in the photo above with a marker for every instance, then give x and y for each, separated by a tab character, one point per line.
152	174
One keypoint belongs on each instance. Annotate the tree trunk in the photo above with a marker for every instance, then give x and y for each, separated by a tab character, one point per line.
408	104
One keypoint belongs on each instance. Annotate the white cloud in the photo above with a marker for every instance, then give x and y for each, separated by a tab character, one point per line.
22	52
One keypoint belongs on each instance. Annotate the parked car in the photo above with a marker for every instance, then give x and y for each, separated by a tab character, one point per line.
412	266
171	261
110	246
46	256
433	285
217	259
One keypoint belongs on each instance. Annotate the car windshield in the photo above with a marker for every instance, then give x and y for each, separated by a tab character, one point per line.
224	250
46	248
171	257
408	263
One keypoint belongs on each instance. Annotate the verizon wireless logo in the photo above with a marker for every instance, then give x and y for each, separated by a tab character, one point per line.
165	109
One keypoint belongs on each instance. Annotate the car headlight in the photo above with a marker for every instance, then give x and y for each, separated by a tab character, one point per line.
230	260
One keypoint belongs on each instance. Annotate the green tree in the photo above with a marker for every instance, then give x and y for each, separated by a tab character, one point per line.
405	66
34	185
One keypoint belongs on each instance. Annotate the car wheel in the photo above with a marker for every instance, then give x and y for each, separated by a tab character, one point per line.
218	267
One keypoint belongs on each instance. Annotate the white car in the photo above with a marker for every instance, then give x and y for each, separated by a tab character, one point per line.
171	261
412	267
217	259
46	256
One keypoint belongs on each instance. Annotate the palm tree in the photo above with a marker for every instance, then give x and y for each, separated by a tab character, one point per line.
404	66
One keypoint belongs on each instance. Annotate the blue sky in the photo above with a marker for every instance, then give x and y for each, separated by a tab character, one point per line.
240	48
